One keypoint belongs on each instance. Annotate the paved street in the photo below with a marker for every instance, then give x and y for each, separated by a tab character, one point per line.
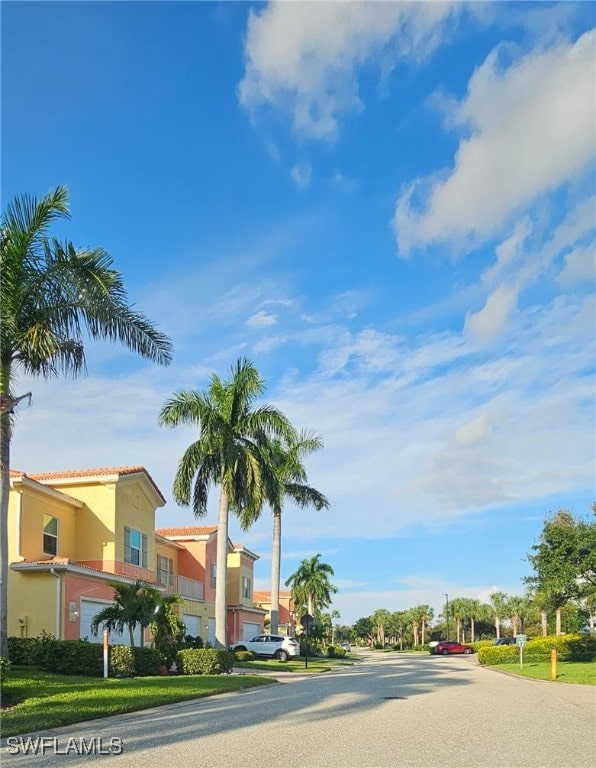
389	711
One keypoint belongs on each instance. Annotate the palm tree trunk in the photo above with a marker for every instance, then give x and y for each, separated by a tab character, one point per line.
5	429
221	571
422	631
132	636
544	622
558	622
498	627
472	629
310	605
275	571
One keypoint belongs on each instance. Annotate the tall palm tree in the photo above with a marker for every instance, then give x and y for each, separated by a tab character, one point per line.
230	452
52	295
286	459
311	588
474	611
498	601
425	615
134	606
457	608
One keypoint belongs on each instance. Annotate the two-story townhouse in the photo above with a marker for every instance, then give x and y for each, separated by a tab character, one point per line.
243	619
71	535
286	615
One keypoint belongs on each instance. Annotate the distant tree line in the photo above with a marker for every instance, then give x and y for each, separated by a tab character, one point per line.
560	597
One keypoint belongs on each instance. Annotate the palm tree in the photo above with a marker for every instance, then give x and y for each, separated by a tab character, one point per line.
134	606
426	616
498	601
286	460
311	588
474	611
231	452
457	608
166	626
51	295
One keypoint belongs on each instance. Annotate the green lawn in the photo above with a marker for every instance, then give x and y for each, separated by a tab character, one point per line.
315	664
583	672
33	700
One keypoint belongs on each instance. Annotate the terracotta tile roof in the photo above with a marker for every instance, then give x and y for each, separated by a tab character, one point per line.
76	474
196	530
265	597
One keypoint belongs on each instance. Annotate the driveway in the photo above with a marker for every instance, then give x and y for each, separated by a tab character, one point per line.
390	711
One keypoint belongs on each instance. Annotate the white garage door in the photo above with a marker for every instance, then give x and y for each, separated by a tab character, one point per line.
89	608
250	630
192	624
211	631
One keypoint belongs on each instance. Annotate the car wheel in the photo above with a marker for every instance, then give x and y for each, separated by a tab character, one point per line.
467	651
282	655
239	648
445	652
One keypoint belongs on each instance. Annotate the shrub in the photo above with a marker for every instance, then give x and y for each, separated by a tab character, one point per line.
569	648
122	661
420	647
336	652
147	661
244	655
23	650
4	664
191	642
73	657
204	661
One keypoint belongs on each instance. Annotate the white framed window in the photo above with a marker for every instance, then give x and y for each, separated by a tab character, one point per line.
246	587
165	571
135	547
213	572
50	535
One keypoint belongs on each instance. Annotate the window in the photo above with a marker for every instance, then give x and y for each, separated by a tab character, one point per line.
135	547
246	587
165	571
213	574
50	535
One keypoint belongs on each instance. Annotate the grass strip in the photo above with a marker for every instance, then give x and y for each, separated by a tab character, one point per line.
315	664
34	701
581	672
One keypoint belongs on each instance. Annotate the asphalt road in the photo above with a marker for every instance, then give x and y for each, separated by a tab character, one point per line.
389	711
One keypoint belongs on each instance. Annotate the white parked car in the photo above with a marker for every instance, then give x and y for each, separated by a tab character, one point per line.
274	646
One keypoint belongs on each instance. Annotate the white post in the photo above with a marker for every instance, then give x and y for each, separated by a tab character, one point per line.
106	637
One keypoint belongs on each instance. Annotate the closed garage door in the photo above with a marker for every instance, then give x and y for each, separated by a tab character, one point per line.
89	608
250	630
192	624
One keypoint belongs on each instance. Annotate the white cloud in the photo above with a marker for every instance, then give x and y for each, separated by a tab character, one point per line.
262	319
302	57
579	269
301	174
531	129
492	320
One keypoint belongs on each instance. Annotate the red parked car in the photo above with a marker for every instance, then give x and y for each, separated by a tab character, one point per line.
445	647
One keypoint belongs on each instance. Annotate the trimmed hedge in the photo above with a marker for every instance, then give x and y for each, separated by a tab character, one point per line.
204	661
23	650
4	665
244	656
73	657
122	661
147	661
336	652
568	647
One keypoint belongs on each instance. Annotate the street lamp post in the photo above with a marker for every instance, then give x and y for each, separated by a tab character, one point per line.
447	613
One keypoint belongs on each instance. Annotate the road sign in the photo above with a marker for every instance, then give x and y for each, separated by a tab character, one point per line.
307	622
521	639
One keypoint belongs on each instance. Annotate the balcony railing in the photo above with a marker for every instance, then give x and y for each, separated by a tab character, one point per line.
180	585
121	569
185	587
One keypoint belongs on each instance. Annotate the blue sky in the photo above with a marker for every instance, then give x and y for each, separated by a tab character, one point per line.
388	208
